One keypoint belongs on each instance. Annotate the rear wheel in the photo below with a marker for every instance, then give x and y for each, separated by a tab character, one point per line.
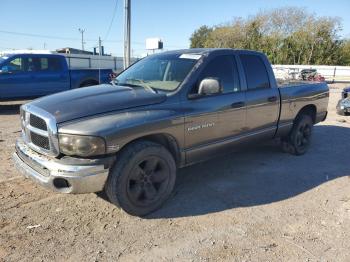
142	178
299	139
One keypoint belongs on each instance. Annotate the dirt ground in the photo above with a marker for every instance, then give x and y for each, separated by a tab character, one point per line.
258	205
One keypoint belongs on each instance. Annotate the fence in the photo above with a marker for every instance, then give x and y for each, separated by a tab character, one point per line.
94	61
331	73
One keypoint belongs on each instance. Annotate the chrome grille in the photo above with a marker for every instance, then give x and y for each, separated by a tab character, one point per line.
40	141
38	122
39	130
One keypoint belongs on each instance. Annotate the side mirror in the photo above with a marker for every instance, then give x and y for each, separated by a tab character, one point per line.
209	86
4	69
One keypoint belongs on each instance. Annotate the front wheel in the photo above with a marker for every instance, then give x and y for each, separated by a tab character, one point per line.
299	139
142	178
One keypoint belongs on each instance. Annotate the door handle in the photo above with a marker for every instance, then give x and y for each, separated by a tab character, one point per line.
238	104
272	99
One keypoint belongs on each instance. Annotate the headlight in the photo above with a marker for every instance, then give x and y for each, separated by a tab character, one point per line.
346	102
75	145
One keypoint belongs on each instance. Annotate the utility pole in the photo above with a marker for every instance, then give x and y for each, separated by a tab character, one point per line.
99	46
82	38
127	14
99	59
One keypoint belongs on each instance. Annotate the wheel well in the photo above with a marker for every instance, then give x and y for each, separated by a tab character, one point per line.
89	82
309	110
166	140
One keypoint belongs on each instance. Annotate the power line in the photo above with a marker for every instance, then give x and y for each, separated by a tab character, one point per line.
37	35
111	23
72	38
60	37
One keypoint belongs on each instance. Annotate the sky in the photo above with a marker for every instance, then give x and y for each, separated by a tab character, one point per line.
52	24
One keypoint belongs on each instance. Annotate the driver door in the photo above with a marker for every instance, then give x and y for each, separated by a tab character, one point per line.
215	119
15	79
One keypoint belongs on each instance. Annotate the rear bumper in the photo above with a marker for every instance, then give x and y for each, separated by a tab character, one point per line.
58	176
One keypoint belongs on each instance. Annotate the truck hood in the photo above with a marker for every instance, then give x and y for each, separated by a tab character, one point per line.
94	100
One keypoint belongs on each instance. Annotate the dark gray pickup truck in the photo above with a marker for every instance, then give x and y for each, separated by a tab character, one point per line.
166	111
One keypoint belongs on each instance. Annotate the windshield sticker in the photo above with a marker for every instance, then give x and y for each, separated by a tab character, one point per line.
190	56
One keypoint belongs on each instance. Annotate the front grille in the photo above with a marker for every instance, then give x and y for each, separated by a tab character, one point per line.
38	122
40	141
39	130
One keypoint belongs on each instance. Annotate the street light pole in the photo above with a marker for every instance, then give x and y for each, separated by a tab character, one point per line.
82	37
127	14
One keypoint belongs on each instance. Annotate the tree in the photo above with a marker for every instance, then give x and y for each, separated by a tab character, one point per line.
286	35
346	52
199	37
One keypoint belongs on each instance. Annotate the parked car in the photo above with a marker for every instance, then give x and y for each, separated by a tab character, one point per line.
35	75
167	111
346	92
343	106
311	75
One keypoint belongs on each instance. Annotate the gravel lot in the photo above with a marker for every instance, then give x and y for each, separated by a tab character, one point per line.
257	205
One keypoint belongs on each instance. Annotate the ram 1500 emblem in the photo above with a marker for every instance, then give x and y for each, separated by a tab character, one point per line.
197	127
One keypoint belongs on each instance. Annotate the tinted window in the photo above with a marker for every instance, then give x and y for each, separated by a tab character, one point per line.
43	64
225	68
255	72
54	64
33	64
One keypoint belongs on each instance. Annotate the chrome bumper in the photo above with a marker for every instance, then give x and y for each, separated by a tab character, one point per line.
56	176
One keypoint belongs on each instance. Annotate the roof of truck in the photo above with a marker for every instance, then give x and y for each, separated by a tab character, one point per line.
25	51
203	51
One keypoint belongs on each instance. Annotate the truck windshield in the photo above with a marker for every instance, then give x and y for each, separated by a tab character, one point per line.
159	72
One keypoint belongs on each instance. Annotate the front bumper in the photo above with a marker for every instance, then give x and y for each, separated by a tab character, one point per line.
343	107
58	176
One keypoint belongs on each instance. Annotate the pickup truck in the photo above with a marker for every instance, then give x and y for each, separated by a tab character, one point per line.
35	75
166	111
343	106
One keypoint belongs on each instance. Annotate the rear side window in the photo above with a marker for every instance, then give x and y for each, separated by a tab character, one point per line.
43	64
54	64
223	67
255	72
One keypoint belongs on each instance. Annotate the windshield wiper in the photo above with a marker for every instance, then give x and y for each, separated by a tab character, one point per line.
143	84
128	84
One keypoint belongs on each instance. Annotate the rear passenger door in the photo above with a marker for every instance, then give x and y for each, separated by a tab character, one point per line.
49	74
262	100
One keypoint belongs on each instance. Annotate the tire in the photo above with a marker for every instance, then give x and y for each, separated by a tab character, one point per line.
299	139
142	178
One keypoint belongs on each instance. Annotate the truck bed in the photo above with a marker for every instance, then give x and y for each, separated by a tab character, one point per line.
297	94
293	83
